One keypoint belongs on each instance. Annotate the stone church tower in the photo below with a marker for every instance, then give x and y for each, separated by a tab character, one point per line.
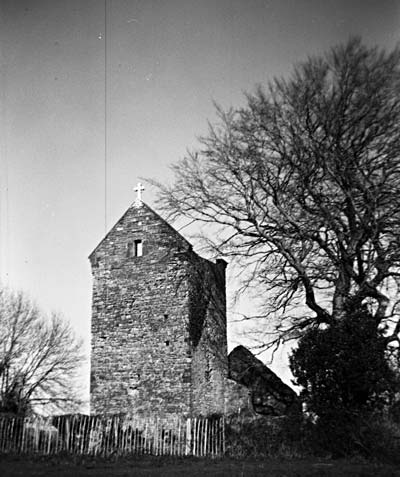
159	341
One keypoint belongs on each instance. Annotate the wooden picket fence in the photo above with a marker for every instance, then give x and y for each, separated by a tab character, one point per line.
115	435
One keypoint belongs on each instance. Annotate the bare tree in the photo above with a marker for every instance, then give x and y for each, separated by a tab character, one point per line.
302	186
39	357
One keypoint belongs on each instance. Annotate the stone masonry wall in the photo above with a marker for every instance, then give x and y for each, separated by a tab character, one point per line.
140	354
158	323
207	331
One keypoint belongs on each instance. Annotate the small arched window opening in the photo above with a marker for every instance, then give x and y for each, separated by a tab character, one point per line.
134	249
138	248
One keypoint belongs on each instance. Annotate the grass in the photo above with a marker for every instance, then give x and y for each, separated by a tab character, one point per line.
63	466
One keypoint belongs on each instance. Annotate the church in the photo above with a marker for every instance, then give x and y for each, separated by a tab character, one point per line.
159	343
159	332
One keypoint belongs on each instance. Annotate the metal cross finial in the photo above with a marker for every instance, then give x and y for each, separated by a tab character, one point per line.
139	189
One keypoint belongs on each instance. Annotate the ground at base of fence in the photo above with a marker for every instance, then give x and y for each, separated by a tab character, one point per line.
13	466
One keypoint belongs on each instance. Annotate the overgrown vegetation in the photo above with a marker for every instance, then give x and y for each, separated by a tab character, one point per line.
349	385
345	366
368	437
259	436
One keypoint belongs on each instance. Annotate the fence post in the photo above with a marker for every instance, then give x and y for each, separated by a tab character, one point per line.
105	435
188	436
223	435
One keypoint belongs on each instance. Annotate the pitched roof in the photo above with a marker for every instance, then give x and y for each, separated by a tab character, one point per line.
141	207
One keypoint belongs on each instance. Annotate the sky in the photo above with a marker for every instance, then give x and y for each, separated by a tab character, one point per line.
95	94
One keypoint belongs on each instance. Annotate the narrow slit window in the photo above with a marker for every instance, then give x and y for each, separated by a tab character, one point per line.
207	371
138	248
